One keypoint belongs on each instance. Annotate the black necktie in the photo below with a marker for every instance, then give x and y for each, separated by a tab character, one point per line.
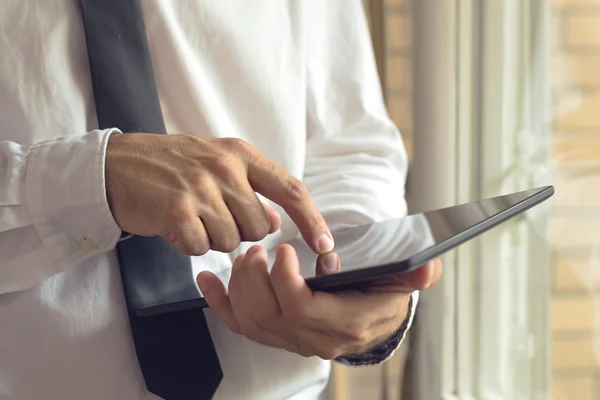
174	350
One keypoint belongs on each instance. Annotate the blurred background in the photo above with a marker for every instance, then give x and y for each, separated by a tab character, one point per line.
493	96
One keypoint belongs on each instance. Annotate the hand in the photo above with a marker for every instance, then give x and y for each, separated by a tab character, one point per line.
279	310
200	194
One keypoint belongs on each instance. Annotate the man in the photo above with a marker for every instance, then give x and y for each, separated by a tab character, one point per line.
269	95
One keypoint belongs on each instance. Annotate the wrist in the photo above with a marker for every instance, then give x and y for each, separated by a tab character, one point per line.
382	348
112	147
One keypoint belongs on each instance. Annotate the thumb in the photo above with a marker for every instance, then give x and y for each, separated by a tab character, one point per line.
425	276
328	263
215	294
421	278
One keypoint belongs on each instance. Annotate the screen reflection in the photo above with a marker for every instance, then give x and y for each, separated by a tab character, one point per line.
407	242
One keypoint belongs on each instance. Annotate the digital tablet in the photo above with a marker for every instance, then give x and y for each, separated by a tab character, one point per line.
368	253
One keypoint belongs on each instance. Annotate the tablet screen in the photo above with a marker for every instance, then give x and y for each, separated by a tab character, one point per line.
402	244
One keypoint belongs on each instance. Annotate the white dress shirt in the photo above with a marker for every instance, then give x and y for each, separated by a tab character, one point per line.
297	79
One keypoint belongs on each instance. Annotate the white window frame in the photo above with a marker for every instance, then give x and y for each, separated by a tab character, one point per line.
513	313
481	129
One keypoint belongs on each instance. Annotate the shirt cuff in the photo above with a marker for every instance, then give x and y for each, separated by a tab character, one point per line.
386	350
65	195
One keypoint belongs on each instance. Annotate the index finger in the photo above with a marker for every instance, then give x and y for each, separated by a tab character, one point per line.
276	184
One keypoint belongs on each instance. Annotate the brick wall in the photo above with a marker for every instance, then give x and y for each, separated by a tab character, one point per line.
575	238
399	67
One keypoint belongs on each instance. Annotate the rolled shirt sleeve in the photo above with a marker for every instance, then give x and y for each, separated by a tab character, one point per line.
53	207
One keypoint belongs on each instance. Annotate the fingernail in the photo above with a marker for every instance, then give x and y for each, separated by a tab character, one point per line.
324	243
331	262
251	250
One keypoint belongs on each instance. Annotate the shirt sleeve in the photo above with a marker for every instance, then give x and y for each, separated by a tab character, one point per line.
356	161
53	207
385	350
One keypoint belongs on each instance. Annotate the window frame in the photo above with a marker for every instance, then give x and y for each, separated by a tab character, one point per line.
481	103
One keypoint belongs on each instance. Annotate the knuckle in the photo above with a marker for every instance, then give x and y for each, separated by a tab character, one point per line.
199	250
229	173
226	163
238	146
258	230
227	244
316	221
181	207
357	333
227	238
295	190
200	181
188	243
185	138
